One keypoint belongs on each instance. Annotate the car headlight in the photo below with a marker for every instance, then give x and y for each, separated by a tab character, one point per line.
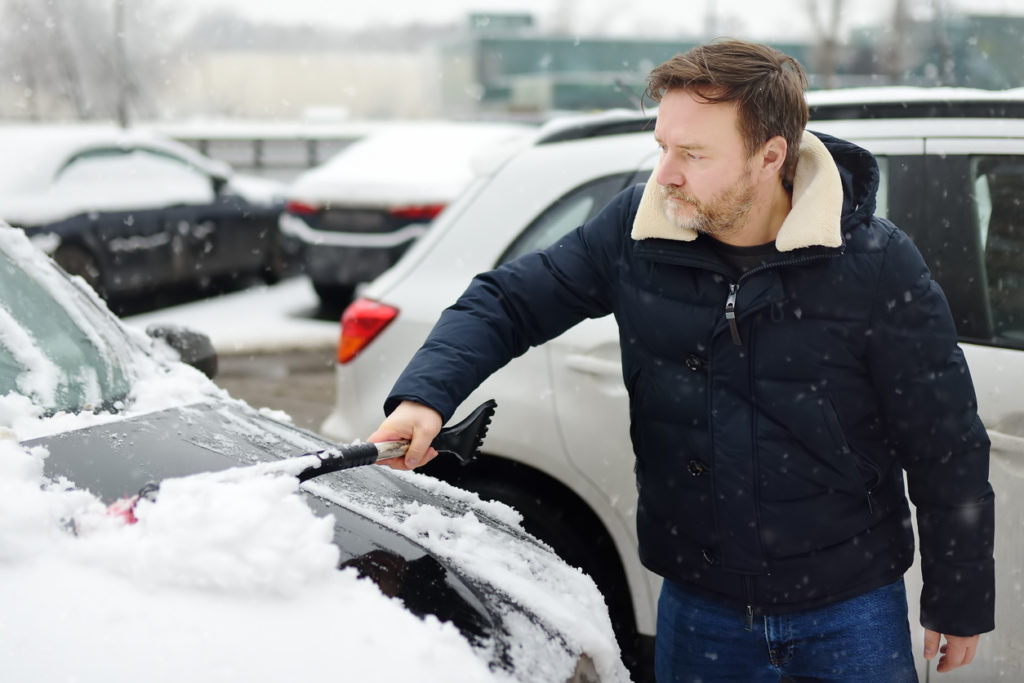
585	671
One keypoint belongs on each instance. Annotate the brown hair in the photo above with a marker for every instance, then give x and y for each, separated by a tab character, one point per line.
766	85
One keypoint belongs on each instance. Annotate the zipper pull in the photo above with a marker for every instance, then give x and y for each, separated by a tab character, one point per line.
748	625
730	314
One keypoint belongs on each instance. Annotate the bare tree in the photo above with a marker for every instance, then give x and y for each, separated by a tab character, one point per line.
86	59
894	50
826	29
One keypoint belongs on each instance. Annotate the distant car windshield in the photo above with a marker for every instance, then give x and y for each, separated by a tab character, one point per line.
56	347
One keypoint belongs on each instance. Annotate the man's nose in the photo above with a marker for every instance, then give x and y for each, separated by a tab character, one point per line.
669	173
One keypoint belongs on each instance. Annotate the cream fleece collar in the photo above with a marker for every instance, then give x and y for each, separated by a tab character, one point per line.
812	221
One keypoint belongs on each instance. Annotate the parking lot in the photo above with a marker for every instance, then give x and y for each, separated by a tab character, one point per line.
284	362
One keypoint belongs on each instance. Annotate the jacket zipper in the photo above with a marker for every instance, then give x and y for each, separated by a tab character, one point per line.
734	288
730	313
748	623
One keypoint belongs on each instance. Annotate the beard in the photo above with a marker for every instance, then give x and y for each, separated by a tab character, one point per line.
722	215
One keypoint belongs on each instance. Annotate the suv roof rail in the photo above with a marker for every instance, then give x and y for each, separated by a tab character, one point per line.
882	102
923	110
611	122
902	102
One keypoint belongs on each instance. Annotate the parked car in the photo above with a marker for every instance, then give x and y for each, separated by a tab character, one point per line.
952	178
115	413
132	211
355	215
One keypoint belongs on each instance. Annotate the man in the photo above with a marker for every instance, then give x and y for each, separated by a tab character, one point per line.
787	357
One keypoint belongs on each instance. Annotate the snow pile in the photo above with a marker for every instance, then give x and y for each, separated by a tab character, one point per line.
284	313
218	581
273	543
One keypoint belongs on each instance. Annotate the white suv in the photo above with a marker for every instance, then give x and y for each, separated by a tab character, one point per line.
559	448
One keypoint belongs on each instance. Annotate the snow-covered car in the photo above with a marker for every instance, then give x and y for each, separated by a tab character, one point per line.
132	211
354	215
952	178
227	569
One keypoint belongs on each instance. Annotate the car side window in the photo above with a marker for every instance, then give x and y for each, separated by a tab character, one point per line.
882	197
116	179
567	213
999	202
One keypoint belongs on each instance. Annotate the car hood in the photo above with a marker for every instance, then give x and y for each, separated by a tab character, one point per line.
440	550
116	459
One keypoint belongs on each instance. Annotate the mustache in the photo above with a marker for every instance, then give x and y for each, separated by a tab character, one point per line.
670	192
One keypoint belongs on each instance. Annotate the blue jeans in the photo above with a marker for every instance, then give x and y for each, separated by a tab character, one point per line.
865	639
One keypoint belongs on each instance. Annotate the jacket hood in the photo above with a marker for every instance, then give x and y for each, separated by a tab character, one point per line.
834	181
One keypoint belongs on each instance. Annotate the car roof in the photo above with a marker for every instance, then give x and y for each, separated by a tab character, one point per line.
584	126
877	102
44	149
897	102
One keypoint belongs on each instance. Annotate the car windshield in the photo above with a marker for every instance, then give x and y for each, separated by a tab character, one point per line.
57	347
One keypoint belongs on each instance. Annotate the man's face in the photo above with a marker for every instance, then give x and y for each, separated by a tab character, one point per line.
705	174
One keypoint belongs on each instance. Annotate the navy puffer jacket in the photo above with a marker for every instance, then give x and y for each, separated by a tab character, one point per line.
773	415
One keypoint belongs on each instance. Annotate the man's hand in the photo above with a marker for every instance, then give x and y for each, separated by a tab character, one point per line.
958	650
415	423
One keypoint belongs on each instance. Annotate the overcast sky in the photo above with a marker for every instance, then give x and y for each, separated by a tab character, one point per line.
752	18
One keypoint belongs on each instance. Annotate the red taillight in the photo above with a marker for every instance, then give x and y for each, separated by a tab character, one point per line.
301	208
425	212
361	322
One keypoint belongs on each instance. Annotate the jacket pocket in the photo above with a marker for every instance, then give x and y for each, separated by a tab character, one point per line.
859	468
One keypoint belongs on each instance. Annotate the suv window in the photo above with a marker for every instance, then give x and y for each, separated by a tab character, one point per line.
999	202
567	213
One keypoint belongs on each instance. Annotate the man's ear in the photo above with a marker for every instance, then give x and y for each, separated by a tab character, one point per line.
772	156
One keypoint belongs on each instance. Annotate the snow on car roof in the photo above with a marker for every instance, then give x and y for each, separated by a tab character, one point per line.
41	150
27	195
414	163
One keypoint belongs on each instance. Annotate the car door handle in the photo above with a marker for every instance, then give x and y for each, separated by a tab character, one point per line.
593	366
1008	449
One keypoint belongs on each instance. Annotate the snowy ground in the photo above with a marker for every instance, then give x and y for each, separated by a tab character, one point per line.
261	319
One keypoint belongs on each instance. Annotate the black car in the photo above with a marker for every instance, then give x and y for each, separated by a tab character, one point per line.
117	414
133	212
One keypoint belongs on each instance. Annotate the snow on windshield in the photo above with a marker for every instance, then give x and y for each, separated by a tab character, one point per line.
218	581
154	382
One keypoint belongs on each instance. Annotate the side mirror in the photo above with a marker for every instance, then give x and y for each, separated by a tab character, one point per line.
218	182
195	348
